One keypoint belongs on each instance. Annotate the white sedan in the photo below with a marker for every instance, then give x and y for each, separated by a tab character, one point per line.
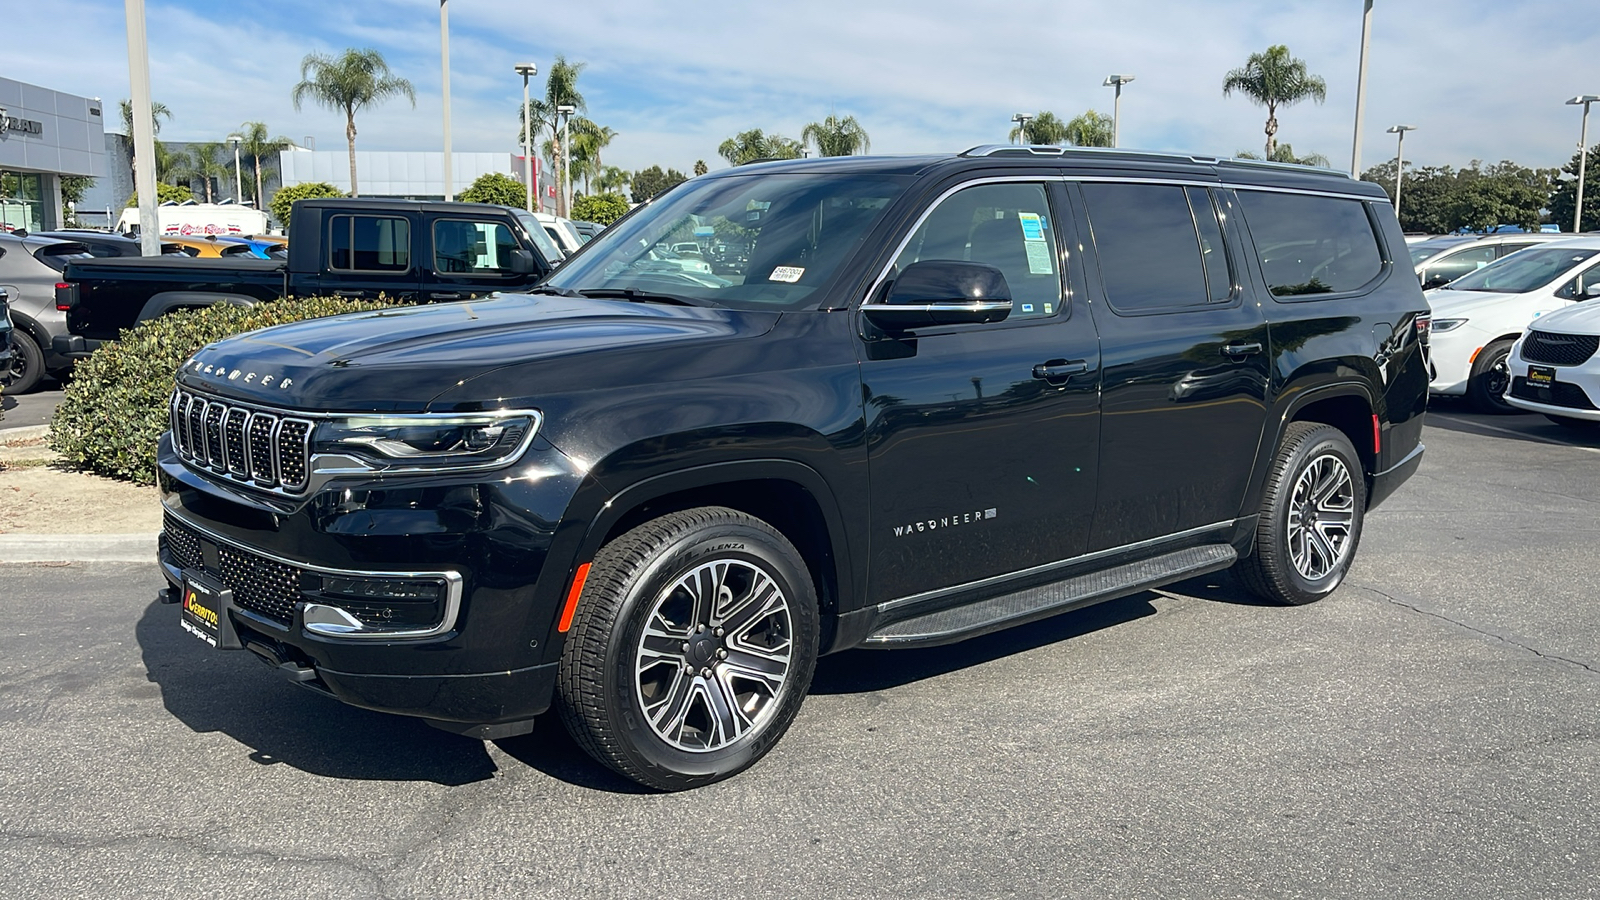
1479	316
1555	370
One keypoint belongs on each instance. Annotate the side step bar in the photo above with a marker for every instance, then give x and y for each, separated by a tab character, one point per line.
946	626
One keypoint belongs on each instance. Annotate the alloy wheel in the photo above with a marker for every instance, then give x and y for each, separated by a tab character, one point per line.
1321	516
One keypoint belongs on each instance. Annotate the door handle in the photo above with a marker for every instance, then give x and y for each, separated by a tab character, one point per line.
356	294
1237	349
1060	369
446	295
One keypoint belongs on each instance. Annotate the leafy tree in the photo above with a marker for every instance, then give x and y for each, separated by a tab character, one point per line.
257	144
649	182
748	146
834	136
1565	194
283	201
601	208
700	168
1042	130
1273	79
353	80
1440	200
494	187
174	193
1089	130
560	89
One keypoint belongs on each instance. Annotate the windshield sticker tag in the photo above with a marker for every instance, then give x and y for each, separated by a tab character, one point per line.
1038	258
1027	307
1032	226
786	274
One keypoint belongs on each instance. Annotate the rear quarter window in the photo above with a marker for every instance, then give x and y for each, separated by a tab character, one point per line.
1312	246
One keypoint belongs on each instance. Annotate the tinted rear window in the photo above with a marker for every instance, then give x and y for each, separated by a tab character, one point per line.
1311	245
1149	250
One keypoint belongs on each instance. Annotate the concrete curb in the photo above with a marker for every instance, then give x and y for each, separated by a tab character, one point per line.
23	433
32	548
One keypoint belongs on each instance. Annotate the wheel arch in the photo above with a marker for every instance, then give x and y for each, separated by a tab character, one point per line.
167	301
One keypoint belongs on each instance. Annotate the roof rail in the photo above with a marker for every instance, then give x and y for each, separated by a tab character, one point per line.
1052	150
1293	167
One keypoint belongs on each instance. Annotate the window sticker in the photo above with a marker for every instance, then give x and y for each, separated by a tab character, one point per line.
1038	258
1049	309
786	274
1027	307
1032	226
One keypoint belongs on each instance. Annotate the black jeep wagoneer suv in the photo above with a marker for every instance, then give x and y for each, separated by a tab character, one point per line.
936	396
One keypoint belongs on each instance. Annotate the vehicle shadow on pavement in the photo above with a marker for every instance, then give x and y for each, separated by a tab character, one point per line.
863	671
1533	429
237	695
551	750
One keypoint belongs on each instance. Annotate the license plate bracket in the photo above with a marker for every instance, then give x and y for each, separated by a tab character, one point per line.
1541	376
204	610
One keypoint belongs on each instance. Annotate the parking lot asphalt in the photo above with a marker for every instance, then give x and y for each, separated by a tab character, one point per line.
33	408
1430	730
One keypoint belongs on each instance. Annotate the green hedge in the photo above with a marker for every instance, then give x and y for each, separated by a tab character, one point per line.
115	407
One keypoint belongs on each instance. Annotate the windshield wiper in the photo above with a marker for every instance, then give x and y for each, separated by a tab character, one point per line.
555	291
634	296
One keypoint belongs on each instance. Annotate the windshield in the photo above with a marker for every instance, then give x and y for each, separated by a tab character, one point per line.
744	242
1422	251
1522	271
536	234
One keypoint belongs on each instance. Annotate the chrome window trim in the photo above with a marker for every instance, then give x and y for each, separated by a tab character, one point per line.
453	586
937	593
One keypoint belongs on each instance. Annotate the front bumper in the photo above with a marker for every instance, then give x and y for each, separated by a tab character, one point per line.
1451	355
487	656
1573	394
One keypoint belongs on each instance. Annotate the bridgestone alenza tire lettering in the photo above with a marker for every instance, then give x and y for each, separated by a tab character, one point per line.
692	648
1310	518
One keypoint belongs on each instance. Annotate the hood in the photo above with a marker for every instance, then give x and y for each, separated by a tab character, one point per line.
1579	318
1448	304
402	358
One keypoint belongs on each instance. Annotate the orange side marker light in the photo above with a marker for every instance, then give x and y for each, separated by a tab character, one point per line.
572	598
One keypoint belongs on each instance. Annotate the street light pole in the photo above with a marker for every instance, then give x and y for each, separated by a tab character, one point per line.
1116	81
566	158
1583	156
1361	89
444	61
144	131
1399	161
1022	127
238	177
527	70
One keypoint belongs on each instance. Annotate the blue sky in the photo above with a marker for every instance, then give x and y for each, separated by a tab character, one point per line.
1479	79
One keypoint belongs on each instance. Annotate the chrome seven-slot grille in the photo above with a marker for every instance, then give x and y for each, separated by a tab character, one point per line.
262	585
251	446
1559	349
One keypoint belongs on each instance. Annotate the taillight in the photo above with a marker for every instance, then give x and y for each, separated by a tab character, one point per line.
1424	326
66	296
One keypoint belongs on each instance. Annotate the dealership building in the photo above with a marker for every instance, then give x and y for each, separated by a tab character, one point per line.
44	136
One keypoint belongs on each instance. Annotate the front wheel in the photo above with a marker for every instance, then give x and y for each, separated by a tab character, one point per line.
1310	518
691	650
1491	375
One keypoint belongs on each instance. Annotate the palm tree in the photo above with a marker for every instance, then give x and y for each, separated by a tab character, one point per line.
834	136
560	89
1042	129
588	140
346	83
1090	130
174	167
207	166
748	146
158	111
612	179
1274	79
255	145
1285	153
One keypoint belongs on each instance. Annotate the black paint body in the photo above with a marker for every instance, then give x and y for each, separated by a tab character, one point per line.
914	471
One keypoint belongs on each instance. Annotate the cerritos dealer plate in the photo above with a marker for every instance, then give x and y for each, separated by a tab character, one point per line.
1541	376
202	607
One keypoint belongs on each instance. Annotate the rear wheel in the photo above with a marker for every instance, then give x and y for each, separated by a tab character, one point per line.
1310	518
26	366
1491	375
692	648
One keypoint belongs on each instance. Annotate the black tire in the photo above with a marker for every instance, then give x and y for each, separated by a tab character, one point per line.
1289	565
26	366
1486	386
610	675
1572	423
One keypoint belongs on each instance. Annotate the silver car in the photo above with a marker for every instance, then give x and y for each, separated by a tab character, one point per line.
29	270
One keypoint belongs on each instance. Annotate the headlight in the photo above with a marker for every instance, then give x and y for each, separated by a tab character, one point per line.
443	441
1440	326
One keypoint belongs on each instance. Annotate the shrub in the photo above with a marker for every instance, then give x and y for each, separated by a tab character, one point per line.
115	407
283	201
601	208
493	187
165	193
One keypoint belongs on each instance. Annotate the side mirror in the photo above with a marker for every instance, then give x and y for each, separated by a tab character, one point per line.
942	292
1591	291
521	262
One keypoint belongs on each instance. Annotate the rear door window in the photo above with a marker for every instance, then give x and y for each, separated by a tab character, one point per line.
1311	245
1149	247
1454	265
369	243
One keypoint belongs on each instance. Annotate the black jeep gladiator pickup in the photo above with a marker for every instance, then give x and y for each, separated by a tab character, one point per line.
403	249
942	395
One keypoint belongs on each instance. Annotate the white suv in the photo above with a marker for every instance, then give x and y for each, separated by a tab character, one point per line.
1554	368
1441	260
1479	316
